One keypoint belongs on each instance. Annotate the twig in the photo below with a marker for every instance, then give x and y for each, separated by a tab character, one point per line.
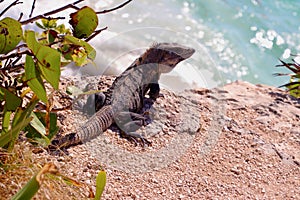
115	8
16	60
71	5
20	17
16	54
16	67
7	62
8	7
10	64
32	8
95	34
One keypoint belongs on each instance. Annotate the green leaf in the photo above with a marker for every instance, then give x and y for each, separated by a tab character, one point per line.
6	113
10	34
33	185
100	184
12	134
84	22
91	53
49	23
12	101
80	58
34	79
48	59
5	120
40	25
28	191
73	90
52	35
37	124
20	121
22	113
62	29
37	128
52	23
1	94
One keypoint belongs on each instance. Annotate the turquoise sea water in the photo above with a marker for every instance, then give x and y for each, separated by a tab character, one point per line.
233	39
258	33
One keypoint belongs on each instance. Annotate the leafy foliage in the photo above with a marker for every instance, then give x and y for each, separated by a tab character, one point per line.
37	128
78	50
34	78
294	85
38	60
33	185
10	34
46	53
84	22
47	59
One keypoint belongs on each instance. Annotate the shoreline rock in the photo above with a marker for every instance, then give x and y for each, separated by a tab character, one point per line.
247	147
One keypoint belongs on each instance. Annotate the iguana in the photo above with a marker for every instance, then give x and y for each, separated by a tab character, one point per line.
124	99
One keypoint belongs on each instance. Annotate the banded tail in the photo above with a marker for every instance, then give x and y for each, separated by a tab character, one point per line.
94	127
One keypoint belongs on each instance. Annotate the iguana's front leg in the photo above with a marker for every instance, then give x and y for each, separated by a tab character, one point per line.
154	90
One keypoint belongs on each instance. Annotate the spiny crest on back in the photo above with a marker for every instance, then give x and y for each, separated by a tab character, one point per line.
154	45
154	54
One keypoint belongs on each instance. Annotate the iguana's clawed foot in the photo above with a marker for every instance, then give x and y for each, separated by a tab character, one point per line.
56	150
135	137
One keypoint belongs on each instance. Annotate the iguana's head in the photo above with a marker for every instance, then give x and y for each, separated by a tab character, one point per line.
167	55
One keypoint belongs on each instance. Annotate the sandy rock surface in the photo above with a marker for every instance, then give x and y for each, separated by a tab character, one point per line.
241	141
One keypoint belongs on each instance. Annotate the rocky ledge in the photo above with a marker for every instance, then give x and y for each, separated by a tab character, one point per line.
239	141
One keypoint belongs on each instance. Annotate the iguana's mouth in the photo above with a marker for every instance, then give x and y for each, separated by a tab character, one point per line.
187	53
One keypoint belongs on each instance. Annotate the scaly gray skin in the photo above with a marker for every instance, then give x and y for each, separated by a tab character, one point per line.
124	99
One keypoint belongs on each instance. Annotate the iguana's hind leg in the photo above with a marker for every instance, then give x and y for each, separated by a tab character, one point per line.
94	103
129	122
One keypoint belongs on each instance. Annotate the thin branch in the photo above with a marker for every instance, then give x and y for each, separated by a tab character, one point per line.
71	5
95	34
16	67
20	17
10	63
16	60
11	66
115	8
6	62
8	7
16	54
32	8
